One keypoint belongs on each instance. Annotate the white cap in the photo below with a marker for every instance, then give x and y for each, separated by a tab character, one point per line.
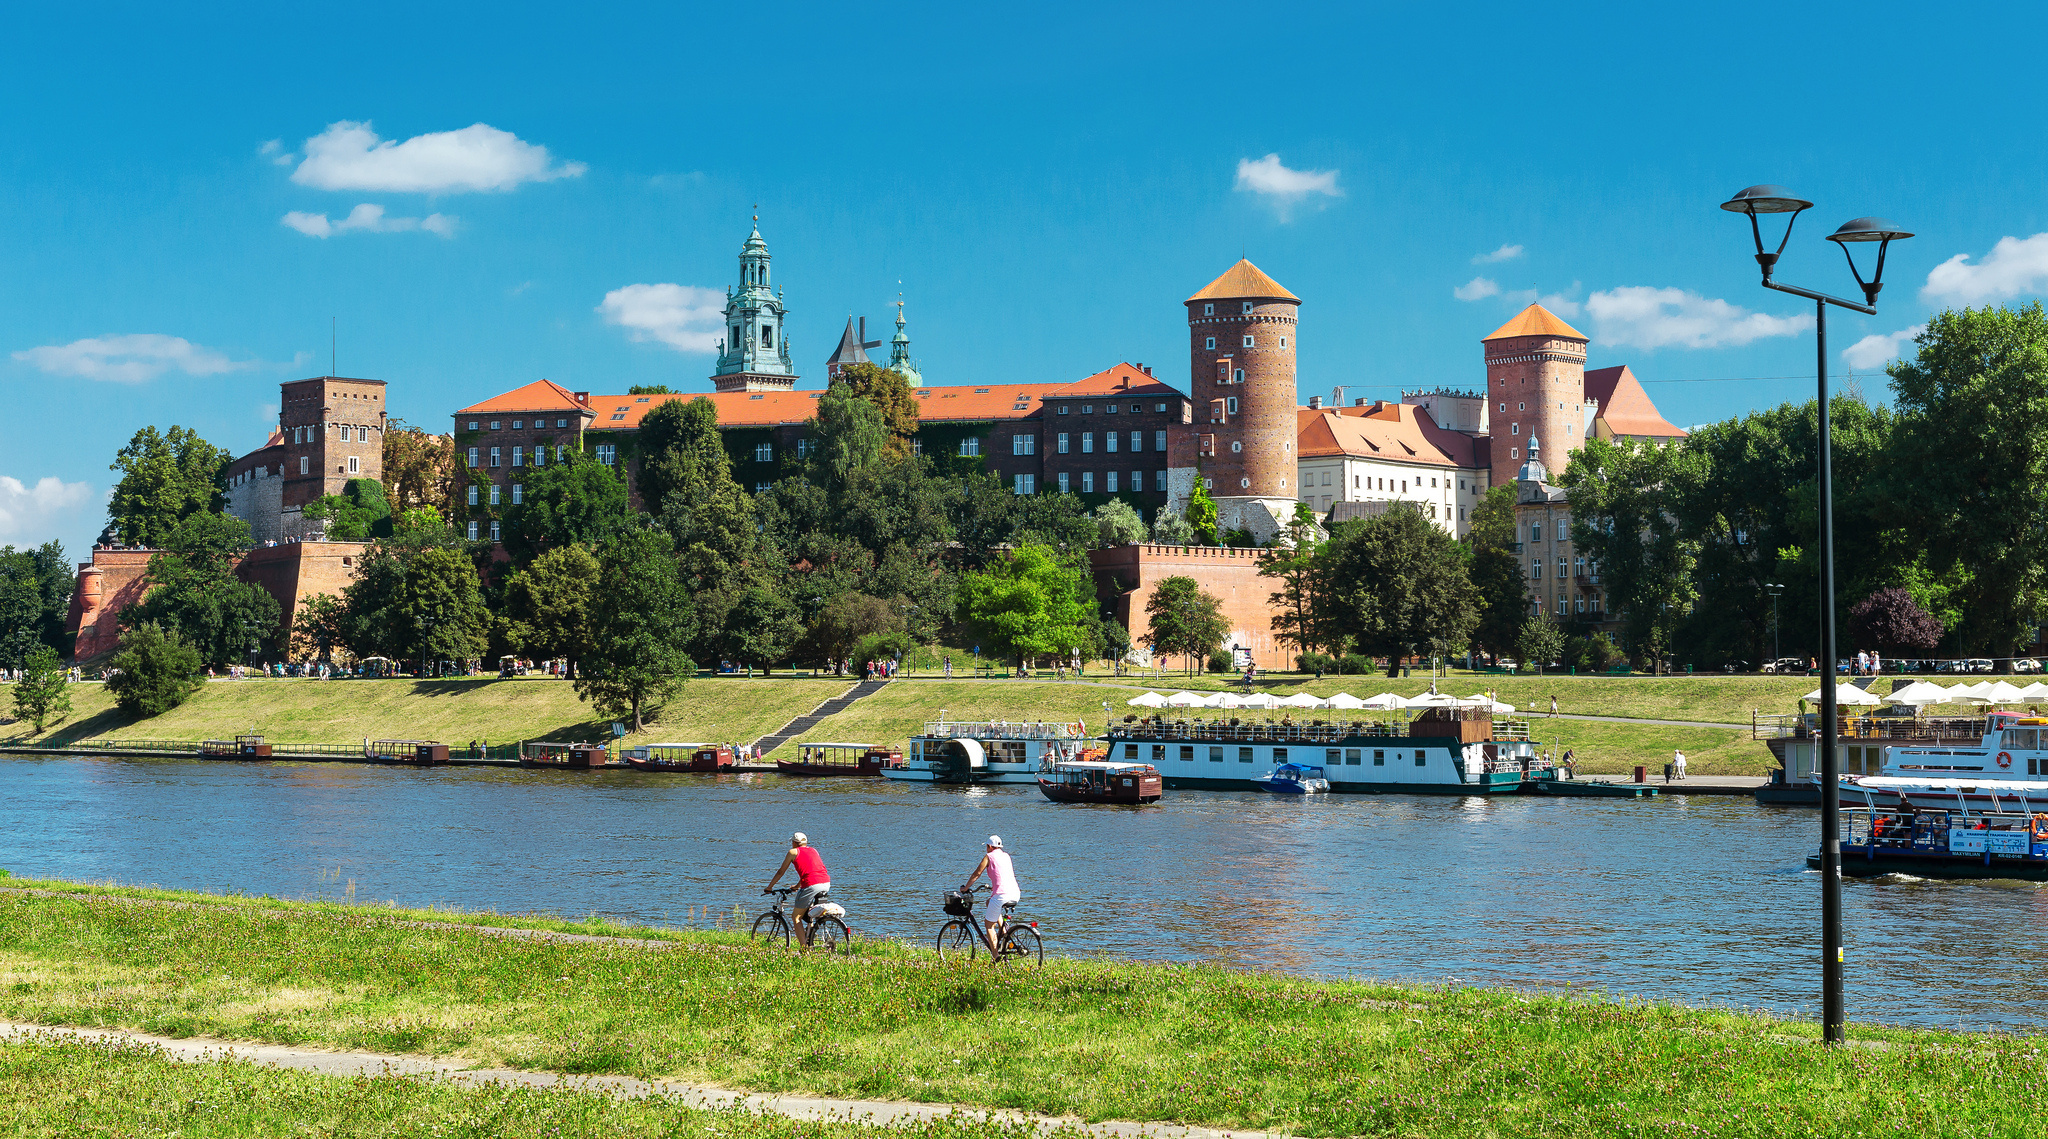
996	841
800	838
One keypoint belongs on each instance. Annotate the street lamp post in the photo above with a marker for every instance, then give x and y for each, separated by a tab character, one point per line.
1776	200
1777	650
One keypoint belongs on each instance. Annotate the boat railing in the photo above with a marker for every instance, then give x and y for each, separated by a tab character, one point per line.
1928	828
1222	731
1001	729
1792	725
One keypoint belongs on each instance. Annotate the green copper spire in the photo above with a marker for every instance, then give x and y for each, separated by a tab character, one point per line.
899	350
754	356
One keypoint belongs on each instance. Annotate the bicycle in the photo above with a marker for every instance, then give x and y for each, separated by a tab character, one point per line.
822	930
962	936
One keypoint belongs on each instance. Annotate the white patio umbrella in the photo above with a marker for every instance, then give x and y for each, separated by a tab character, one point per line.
1968	694
1435	700
2035	693
1303	700
1478	699
1219	700
1387	702
2002	692
1847	694
1346	701
1265	700
1186	700
1147	700
1918	693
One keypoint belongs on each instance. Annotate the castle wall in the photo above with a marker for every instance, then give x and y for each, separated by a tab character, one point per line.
290	572
1127	576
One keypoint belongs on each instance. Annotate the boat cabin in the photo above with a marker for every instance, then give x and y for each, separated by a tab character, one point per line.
420	753
991	751
1458	751
1096	781
704	757
816	758
580	757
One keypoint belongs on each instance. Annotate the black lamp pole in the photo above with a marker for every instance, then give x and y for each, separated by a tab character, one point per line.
1777	650
1776	200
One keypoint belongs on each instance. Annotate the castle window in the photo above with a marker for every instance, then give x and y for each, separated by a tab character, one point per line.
1242	483
494	425
970	447
1248	342
1210	344
1567	429
472	494
1283	342
344	433
518	493
1137	440
355	465
1063	482
1023	444
1161	407
472	458
1024	484
760	488
1087	442
1109	482
1159	481
540	456
1535	569
607	453
518	456
1240	375
472	531
472	425
1208	310
1137	482
1087	409
1535	531
767	336
764	452
1514	452
1503	408
1247	309
1158	441
917	446
1230	405
561	423
494	494
516	424
1514	429
1236	447
494	456
494	529
1521	407
1208	484
1063	409
1109	441
1087	482
1062	445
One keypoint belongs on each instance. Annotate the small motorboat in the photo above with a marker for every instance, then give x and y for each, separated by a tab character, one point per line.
1094	781
1293	779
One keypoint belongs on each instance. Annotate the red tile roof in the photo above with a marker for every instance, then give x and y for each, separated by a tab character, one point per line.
1124	379
1243	281
1625	407
1397	432
540	395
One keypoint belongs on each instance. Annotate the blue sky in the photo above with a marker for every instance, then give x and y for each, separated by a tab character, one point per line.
192	196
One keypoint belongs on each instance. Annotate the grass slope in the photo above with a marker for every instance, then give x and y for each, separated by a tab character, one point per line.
1097	1039
501	711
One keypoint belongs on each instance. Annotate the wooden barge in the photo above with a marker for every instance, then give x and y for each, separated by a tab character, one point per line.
412	753
241	747
828	759
681	758
1095	781
565	757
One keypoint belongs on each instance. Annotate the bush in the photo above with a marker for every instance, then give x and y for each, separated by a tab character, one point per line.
1220	661
880	646
154	671
1355	663
1314	662
39	695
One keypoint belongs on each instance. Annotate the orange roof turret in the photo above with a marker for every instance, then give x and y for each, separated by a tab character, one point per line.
1243	281
1535	321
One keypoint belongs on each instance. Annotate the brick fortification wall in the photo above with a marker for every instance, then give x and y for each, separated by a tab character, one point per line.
1126	576
290	572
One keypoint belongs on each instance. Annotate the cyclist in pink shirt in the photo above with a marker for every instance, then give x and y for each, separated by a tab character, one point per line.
814	882
1002	886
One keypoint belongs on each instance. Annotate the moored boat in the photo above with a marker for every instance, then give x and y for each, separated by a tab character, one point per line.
2004	769
415	753
241	747
565	757
1293	779
702	758
1942	843
1096	781
825	759
956	751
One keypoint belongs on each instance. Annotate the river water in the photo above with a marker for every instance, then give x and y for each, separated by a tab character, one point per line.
1701	900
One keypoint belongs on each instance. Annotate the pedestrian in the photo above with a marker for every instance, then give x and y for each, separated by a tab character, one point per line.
1553	705
1570	767
949	666
1678	763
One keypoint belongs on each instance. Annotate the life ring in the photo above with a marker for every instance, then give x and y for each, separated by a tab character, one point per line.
2005	759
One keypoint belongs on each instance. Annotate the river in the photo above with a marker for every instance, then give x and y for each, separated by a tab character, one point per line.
1700	900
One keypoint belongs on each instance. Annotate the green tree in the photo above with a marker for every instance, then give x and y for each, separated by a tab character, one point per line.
1028	605
848	619
547	605
354	514
1540	643
578	501
1184	621
1302	612
1493	520
165	478
191	590
1496	572
891	394
1171	529
154	671
439	611
650	389
761	627
319	626
1970	459
849	437
419	468
1402	586
1202	512
1624	497
640	625
1056	521
686	481
1118	523
983	513
35	599
40	696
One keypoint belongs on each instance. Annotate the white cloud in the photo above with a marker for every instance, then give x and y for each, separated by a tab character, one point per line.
2016	265
1560	303
367	218
687	318
1476	289
350	156
278	155
1285	187
1644	317
1504	253
131	359
1877	350
32	515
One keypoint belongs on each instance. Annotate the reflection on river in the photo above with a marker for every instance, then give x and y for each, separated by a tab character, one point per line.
1701	900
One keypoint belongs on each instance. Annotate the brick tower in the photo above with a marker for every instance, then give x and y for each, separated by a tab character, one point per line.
1241	331
333	430
1536	385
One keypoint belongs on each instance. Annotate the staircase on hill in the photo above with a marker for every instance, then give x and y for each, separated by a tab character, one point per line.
816	716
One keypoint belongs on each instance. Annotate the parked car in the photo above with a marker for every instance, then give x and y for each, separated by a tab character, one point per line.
1979	664
1736	666
2026	664
1952	666
1786	665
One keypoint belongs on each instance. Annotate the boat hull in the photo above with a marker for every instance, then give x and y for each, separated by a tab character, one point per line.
1115	796
826	770
926	775
1857	864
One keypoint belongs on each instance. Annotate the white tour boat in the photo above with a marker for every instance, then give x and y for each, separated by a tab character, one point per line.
2006	770
951	751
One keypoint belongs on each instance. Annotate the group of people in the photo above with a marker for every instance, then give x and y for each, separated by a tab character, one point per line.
814	882
1867	663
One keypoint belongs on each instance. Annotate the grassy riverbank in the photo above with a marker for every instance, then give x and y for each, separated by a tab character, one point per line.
1093	1038
500	711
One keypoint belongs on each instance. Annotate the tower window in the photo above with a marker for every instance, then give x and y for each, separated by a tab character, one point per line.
1236	447
1240	375
1514	429
1210	344
1230	406
1247	307
1283	342
1514	452
767	336
1521	407
1208	310
1248	342
1062	443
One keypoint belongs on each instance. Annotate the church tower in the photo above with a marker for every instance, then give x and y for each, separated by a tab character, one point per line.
899	352
1536	387
754	356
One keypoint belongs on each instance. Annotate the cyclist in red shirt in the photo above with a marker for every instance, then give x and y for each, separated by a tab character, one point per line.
814	882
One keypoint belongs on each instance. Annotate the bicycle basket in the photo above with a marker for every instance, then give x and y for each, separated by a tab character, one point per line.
959	904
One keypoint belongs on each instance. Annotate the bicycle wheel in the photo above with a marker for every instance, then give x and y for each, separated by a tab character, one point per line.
770	929
957	941
1021	943
831	935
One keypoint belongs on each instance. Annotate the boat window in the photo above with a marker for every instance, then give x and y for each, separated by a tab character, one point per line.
1159	753
1215	755
1353	756
1244	755
1332	757
1279	755
1130	751
1187	751
1379	757
1419	761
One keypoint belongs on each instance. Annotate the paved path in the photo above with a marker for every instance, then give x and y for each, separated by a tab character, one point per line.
196	1050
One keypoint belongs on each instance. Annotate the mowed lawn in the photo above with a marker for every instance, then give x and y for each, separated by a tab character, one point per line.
901	710
1710	699
498	711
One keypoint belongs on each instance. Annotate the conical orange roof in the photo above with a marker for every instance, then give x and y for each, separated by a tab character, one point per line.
1534	321
1243	281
